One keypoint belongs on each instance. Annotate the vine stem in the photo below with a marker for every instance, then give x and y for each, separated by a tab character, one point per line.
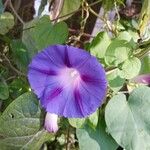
68	136
94	3
108	26
12	67
5	4
8	2
84	34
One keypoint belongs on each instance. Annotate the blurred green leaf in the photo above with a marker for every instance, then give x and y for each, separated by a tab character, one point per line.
47	34
93	119
144	17
20	55
145	68
130	68
17	87
27	38
129	38
86	141
109	4
117	52
4	90
40	33
77	122
124	36
115	81
6	22
1	7
128	121
99	44
21	123
69	7
95	139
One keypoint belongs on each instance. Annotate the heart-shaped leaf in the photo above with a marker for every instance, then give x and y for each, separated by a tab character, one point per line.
40	33
117	52
129	121
95	139
130	68
21	125
99	44
6	22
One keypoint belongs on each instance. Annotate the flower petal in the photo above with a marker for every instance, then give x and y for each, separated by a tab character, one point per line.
144	78
68	80
51	123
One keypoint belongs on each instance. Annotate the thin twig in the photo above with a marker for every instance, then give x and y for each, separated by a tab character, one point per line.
57	7
84	34
10	78
143	53
123	92
84	17
5	4
68	137
78	10
97	15
14	11
108	25
12	67
101	18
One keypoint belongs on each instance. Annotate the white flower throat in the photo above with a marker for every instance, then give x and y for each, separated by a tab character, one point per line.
69	76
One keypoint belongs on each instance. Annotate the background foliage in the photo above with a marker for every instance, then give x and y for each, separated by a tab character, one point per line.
121	44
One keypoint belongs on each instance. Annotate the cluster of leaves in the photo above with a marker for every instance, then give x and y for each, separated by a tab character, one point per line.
123	120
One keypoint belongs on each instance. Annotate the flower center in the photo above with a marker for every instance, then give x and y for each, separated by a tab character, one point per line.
73	73
69	76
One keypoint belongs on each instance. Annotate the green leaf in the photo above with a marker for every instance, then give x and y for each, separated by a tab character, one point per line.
99	44
144	17
128	35
27	38
128	121
1	7
47	34
77	122
124	36
40	33
108	4
69	7
86	141
20	55
17	87
115	81
145	68
6	22
4	90
130	68
117	52
21	123
92	121
95	139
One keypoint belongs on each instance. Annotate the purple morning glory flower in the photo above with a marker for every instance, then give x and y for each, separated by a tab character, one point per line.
68	81
51	122
144	78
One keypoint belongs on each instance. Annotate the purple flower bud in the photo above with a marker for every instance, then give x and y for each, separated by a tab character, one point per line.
144	78
51	122
68	81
